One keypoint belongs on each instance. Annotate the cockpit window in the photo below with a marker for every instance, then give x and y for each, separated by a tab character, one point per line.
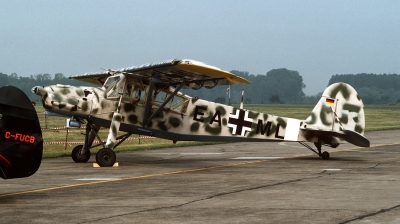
178	103
111	82
114	86
117	90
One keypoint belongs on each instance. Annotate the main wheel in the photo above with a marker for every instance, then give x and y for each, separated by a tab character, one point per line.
325	155
105	157
78	157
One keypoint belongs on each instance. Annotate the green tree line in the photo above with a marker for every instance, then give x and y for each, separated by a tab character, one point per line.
373	88
26	83
277	86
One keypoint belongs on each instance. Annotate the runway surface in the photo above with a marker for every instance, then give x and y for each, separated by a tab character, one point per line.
226	183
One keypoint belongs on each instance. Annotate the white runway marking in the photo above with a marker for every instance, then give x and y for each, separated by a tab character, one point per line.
365	151
332	169
200	154
267	157
193	153
97	178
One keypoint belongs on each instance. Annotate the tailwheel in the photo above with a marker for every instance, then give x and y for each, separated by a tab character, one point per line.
105	157
79	157
325	155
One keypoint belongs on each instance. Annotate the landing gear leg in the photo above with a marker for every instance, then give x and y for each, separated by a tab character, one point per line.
323	155
319	147
106	156
81	153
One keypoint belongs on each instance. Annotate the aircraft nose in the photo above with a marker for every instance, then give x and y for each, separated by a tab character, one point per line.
39	90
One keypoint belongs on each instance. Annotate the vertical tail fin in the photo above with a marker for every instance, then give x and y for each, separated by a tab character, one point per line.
340	110
21	143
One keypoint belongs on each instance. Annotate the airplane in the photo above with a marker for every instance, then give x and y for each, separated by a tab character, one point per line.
21	142
146	100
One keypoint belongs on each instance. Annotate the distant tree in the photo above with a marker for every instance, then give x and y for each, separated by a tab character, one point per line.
372	88
384	99
274	99
312	99
26	83
13	76
59	77
3	79
287	84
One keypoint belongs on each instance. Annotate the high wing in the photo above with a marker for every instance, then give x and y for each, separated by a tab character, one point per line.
194	73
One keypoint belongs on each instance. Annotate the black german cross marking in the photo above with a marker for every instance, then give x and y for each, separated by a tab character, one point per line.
240	122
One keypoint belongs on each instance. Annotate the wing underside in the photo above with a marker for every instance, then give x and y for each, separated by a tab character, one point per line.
175	71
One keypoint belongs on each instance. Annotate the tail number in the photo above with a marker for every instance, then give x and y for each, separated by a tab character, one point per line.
20	137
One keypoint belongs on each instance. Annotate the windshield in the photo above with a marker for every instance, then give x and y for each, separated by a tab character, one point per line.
111	82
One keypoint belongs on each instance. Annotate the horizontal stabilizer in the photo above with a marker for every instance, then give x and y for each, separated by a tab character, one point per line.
355	138
347	135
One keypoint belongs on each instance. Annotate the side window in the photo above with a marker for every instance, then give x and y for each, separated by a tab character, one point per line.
142	93
133	92
179	104
117	90
160	98
129	90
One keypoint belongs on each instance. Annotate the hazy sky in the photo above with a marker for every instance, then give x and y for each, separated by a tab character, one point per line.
316	38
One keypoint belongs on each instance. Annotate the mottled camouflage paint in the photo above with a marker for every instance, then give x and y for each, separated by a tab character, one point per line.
208	119
67	98
348	108
113	132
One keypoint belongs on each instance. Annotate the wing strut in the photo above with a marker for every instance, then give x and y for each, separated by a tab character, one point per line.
153	81
165	103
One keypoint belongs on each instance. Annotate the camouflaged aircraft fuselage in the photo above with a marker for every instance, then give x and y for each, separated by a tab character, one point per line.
185	118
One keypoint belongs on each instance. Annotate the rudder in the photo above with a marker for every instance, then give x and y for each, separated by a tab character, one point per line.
339	109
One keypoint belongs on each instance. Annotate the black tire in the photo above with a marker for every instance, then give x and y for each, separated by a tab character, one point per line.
325	155
105	157
77	157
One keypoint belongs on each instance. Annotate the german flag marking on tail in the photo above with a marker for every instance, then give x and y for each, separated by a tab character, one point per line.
329	102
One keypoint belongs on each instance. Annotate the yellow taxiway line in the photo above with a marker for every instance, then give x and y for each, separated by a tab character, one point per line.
178	172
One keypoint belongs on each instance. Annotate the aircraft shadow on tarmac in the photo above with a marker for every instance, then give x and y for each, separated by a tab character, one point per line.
190	161
331	159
